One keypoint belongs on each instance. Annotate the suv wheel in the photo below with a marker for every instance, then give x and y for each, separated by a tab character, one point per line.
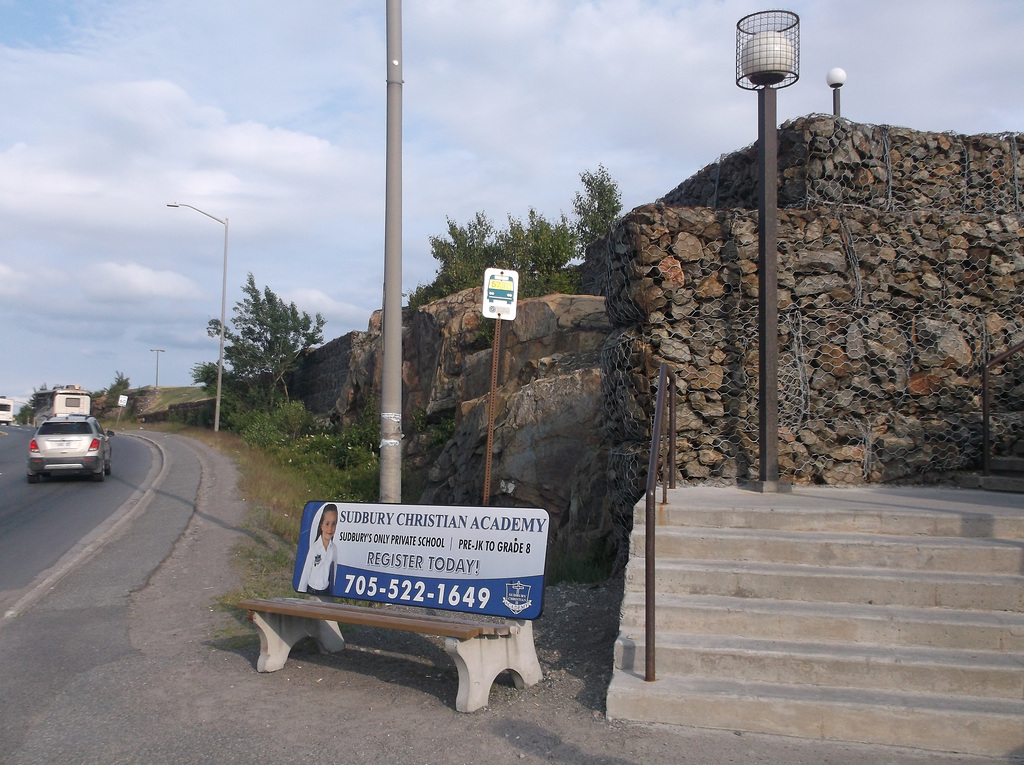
33	477
98	476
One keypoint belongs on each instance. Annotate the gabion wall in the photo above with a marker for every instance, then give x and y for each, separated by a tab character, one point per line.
901	270
829	161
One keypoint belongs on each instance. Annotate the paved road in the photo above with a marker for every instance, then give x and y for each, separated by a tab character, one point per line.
40	523
77	618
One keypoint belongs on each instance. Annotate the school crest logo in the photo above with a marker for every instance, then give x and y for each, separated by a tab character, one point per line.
517	597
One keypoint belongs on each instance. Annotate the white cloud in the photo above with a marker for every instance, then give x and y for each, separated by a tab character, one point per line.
272	116
314	301
14	283
132	283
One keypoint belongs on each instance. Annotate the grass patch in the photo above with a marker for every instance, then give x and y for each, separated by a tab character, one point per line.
176	395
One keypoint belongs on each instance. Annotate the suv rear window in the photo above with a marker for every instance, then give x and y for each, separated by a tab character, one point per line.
65	429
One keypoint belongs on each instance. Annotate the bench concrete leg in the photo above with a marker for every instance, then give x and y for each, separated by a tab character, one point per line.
481	659
278	633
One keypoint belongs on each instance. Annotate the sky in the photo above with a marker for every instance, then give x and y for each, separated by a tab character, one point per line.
271	116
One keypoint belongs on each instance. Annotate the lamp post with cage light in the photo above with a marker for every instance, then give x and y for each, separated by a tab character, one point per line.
767	59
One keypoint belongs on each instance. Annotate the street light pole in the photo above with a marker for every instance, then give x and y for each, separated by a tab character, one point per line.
768	58
223	310
157	351
391	363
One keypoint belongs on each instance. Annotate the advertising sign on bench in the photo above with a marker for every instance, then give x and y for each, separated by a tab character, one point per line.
481	560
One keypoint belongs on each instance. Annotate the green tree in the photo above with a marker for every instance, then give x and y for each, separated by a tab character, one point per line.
264	343
538	250
541	250
462	257
25	414
120	386
597	207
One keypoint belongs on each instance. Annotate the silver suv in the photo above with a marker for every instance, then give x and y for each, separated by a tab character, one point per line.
73	444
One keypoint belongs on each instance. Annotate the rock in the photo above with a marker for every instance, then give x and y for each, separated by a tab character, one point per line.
549	450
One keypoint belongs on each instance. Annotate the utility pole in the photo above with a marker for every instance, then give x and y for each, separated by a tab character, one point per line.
391	367
157	351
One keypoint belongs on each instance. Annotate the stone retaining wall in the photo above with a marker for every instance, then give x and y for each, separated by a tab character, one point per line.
901	269
827	161
323	372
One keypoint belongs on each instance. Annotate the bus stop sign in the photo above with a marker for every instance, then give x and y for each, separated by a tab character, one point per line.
501	288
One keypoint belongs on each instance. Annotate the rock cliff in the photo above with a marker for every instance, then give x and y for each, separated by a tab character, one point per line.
549	449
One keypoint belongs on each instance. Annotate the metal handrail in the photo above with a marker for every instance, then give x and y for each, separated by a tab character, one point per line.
655	465
985	446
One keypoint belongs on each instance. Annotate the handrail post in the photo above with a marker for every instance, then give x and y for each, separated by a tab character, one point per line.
984	421
668	440
653	465
671	432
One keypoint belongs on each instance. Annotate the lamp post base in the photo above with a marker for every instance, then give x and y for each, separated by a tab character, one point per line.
767	487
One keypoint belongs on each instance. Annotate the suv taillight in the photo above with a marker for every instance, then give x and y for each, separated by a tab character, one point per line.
33	446
95	445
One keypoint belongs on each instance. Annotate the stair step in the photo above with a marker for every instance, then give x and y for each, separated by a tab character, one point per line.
933	722
836	622
884	615
836	584
1006	483
909	512
1007	464
921	553
894	668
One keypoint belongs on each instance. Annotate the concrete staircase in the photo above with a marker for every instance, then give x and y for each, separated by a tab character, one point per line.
878	616
1007	475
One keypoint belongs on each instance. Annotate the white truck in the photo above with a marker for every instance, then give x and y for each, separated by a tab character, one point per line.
69	399
6	411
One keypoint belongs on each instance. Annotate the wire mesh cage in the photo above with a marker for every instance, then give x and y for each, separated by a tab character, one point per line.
901	272
768	50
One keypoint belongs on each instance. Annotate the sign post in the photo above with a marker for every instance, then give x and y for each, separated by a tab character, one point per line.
501	290
122	402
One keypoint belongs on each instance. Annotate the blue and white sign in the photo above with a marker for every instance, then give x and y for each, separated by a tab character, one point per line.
483	560
501	292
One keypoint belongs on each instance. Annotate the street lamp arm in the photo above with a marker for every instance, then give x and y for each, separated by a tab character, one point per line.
182	204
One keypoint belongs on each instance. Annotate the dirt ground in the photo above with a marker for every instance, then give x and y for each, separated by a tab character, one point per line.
390	696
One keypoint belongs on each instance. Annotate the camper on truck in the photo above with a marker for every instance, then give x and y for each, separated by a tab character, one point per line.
6	411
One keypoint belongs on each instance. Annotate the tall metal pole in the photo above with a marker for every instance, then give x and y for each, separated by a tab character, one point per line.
768	291
157	351
223	309
391	367
223	320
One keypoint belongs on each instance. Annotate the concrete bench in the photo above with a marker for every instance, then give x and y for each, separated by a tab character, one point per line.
481	650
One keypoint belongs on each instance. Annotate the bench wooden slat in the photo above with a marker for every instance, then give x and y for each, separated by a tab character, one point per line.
427	624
